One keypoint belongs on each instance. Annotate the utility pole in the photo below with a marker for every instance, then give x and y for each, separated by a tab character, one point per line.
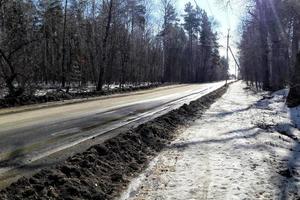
236	78
227	52
235	69
235	60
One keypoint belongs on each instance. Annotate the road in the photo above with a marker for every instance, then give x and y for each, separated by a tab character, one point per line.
34	134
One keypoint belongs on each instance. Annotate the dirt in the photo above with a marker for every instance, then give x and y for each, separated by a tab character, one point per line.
104	170
61	96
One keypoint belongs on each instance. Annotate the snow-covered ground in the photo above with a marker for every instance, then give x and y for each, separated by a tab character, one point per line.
242	148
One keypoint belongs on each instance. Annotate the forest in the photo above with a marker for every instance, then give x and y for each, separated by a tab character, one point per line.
79	43
149	99
270	44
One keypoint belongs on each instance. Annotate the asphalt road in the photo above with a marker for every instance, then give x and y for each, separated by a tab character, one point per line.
34	134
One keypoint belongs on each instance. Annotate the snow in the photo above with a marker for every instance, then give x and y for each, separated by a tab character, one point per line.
242	148
45	89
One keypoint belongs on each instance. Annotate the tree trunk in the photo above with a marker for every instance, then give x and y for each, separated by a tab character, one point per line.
104	45
294	95
63	69
264	44
295	42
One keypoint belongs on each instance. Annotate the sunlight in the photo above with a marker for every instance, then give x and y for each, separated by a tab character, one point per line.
278	21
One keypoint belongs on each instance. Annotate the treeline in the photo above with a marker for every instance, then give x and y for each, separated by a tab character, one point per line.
270	43
76	42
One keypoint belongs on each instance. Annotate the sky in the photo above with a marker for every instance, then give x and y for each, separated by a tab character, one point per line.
217	9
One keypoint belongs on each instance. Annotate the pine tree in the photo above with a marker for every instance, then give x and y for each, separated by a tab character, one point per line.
206	36
169	20
191	25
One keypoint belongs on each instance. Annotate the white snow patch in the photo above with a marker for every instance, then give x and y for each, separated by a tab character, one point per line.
51	88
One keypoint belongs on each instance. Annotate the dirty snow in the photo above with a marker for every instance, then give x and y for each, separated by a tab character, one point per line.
242	148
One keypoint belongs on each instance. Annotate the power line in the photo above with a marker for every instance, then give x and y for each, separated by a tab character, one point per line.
235	60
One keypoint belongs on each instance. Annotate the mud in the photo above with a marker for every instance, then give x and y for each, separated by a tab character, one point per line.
104	170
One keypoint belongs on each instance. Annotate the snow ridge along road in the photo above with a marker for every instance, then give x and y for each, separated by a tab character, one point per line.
33	135
241	148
